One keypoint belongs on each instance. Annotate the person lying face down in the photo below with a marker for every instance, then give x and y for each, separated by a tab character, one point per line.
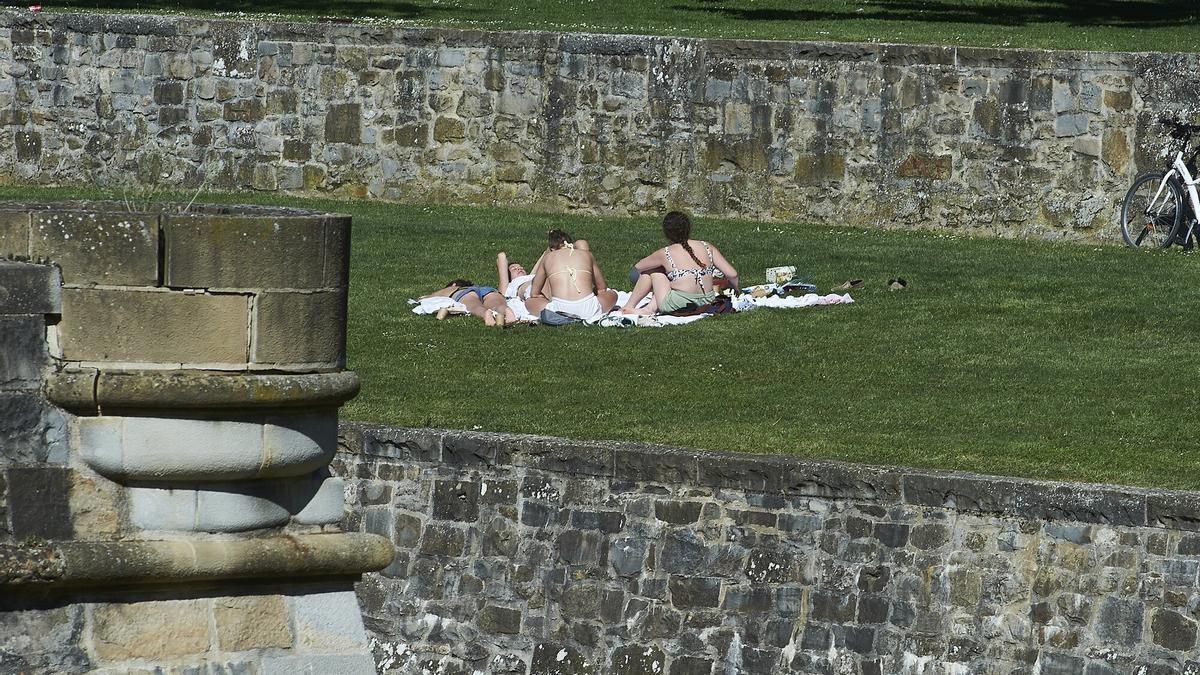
569	281
484	302
679	275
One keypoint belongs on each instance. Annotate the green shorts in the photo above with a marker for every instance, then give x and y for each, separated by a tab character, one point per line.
677	300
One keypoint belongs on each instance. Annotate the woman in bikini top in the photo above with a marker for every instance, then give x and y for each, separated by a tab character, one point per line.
568	273
676	288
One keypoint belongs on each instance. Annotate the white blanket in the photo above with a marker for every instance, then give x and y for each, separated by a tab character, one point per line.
743	303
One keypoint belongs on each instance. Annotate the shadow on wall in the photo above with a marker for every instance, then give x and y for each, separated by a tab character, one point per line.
1117	13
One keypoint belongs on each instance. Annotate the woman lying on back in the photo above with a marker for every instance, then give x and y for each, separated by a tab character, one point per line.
681	274
484	302
569	281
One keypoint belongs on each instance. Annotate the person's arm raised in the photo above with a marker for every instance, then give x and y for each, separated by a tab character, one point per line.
502	270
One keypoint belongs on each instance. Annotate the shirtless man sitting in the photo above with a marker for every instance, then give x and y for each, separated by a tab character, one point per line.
569	282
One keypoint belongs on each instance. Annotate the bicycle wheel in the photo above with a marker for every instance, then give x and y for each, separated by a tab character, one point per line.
1146	221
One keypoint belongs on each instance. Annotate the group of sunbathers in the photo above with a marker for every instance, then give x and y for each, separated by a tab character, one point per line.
566	280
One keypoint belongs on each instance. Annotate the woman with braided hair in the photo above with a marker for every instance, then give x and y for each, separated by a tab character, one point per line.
680	275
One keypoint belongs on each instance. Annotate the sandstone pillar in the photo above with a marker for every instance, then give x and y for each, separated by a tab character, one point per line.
168	499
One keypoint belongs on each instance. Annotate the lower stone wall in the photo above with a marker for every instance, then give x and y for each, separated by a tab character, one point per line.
521	554
254	632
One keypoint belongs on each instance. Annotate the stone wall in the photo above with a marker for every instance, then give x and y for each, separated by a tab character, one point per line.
1006	142
169	384
521	554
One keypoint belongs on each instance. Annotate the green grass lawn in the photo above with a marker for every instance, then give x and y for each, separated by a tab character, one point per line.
1116	25
1021	358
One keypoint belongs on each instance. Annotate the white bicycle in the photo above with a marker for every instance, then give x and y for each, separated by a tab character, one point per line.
1154	213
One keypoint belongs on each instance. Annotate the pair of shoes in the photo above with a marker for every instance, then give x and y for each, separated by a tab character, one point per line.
897	284
852	284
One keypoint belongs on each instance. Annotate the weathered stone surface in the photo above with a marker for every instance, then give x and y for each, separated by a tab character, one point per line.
815	117
252	622
250	252
300	328
14	233
165	448
146	326
43	640
22	352
29	289
719	574
37	498
160	629
99	248
86	390
1173	630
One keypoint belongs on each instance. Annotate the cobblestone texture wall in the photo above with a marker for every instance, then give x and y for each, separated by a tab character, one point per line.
520	554
1007	142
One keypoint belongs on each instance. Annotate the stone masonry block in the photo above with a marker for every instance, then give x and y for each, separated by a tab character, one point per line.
300	328
99	248
38	505
244	252
151	630
14	233
324	506
343	123
151	448
22	351
252	622
337	251
352	664
119	325
22	428
29	289
327	622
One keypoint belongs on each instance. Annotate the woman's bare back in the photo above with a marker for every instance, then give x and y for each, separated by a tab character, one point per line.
569	273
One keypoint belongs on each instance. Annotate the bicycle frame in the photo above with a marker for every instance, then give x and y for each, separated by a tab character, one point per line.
1179	168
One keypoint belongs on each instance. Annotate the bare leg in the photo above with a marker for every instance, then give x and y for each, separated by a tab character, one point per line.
472	303
640	290
536	304
661	288
607	298
496	303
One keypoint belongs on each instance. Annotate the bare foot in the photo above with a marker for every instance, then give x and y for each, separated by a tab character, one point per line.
501	319
443	313
489	318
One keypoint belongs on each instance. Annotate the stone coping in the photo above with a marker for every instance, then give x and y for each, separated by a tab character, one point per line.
788	476
168	208
88	391
594	43
71	563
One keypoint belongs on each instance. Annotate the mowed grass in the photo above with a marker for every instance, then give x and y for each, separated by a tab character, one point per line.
1107	25
1020	358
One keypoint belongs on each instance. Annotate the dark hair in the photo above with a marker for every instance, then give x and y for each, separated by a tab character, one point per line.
460	283
557	238
677	228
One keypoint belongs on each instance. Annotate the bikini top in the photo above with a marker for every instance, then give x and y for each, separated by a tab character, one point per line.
698	272
571	271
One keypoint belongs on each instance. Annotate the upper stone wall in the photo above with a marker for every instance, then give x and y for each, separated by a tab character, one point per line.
1006	142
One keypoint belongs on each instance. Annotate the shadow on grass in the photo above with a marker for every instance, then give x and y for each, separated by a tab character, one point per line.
349	8
1113	13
